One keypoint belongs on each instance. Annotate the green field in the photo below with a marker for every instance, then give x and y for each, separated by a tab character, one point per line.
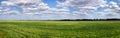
59	29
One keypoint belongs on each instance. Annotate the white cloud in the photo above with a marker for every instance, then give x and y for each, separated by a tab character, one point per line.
7	11
7	3
113	5
25	1
39	10
88	8
12	12
82	3
91	6
27	5
40	7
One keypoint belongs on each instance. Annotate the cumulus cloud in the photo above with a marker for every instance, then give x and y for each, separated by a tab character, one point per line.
92	6
22	2
113	5
37	9
33	8
83	3
7	10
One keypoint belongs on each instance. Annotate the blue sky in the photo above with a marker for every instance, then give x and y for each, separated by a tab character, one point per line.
51	3
58	9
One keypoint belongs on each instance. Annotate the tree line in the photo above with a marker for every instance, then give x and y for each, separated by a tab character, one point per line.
112	19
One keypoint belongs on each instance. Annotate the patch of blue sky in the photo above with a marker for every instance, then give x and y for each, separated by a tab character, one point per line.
51	3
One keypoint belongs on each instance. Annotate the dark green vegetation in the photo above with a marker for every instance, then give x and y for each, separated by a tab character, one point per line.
60	29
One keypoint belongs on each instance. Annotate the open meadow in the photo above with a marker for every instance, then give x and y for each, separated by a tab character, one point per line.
59	29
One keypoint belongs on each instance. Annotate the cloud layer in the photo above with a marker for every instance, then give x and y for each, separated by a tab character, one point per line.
66	9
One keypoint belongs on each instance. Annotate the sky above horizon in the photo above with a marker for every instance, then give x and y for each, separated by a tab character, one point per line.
58	9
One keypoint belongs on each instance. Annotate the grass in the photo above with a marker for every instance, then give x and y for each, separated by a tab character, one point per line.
1	35
59	29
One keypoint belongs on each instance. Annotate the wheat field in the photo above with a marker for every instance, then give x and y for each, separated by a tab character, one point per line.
59	29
